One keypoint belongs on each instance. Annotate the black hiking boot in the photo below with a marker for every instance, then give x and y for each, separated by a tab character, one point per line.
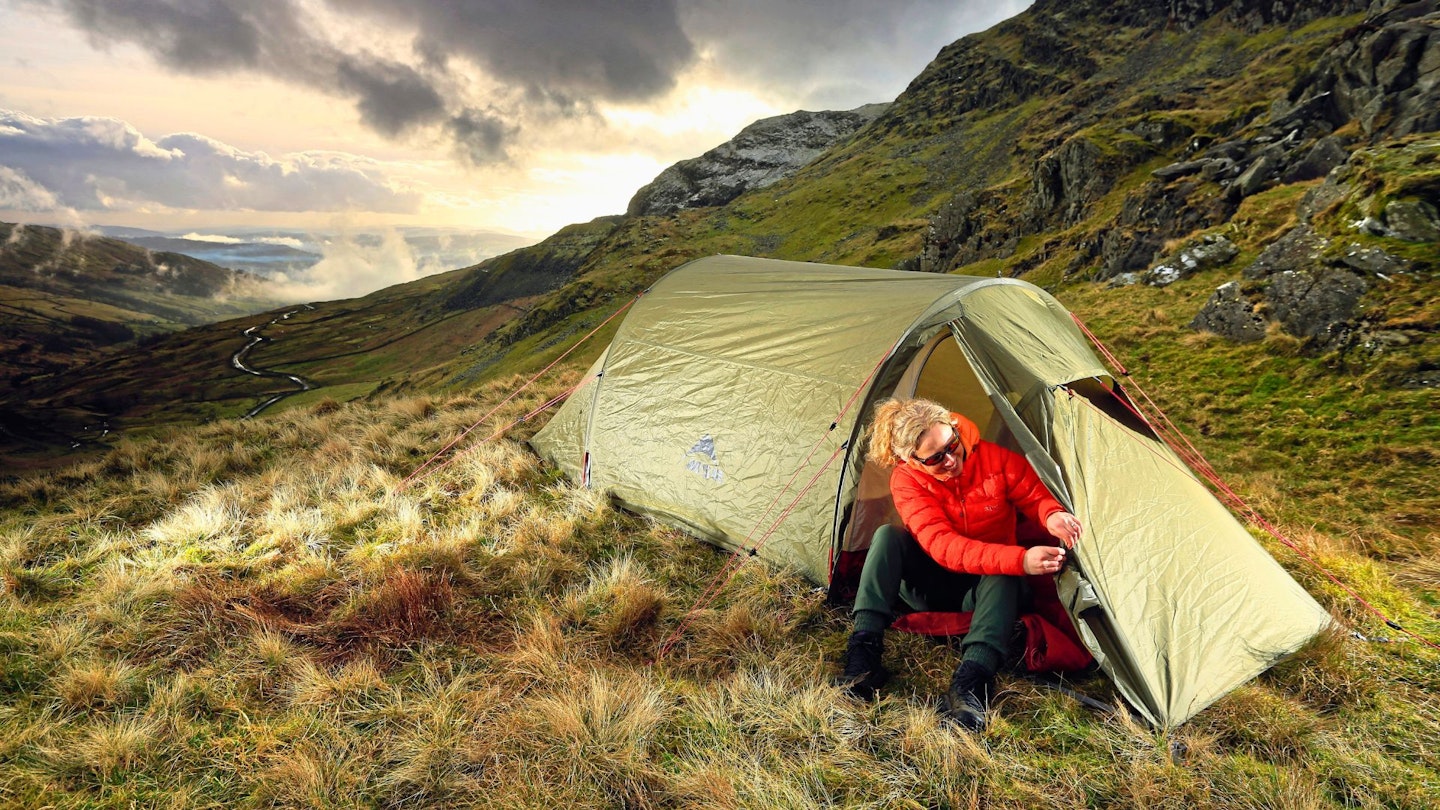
863	671
965	703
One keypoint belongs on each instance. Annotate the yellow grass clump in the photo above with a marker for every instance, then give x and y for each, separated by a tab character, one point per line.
270	614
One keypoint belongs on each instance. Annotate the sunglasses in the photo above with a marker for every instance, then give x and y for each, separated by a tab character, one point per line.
948	450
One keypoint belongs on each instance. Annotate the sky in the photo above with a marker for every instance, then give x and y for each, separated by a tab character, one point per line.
513	116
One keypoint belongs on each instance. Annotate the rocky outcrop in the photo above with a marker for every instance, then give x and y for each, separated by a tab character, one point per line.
1188	14
1385	74
1315	303
1313	285
1231	314
1067	180
764	153
1207	252
1299	248
1256	13
957	235
1412	220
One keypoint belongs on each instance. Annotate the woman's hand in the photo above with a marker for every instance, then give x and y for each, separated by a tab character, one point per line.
1044	559
1064	527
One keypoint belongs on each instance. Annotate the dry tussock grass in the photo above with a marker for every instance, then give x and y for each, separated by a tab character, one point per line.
259	613
63	641
348	689
600	731
313	773
111	746
97	684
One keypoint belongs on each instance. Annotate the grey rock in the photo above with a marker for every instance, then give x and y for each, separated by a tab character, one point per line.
1179	169
764	153
1231	315
1300	248
1317	114
1314	304
1326	154
1374	260
1237	151
1212	250
1161	132
1123	252
1260	173
1372	226
1322	197
1412	220
1124	280
1219	168
1163	275
1384	73
1069	178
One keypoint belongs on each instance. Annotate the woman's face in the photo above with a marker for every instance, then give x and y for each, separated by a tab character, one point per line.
938	452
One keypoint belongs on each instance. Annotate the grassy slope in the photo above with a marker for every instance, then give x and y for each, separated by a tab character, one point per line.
240	613
250	613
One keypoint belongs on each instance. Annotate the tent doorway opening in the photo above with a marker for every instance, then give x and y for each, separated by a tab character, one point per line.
938	372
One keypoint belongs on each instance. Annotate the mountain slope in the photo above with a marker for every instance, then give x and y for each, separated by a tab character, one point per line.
68	296
264	612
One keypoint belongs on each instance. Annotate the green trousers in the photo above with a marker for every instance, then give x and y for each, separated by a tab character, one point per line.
897	568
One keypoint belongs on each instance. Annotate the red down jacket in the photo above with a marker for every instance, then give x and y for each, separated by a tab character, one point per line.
967	524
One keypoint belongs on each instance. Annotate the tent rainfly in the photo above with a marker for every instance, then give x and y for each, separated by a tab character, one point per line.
736	391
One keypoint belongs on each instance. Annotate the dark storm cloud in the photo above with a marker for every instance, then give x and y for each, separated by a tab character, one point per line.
204	36
278	38
479	136
574	49
392	97
551	58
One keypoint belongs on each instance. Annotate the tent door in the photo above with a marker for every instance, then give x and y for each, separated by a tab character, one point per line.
940	372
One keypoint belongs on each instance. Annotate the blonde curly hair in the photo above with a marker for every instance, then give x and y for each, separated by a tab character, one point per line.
898	425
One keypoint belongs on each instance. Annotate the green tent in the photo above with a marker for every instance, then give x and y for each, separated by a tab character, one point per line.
732	400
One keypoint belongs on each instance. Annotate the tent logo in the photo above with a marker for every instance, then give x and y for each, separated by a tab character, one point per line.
702	460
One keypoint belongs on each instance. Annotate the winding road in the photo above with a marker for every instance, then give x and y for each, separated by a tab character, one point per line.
238	361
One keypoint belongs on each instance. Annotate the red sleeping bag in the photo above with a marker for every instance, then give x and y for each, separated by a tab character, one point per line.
1051	643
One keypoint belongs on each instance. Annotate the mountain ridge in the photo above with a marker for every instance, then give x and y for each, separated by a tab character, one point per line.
761	155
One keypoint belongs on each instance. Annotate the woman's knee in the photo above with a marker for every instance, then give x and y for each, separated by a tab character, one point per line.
891	537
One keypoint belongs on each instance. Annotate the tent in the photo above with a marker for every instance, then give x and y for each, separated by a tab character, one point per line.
733	396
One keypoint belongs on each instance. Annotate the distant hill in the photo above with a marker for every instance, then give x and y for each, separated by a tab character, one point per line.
253	257
69	297
762	155
266	252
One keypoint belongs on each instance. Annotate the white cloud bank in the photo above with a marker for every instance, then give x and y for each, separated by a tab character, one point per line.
104	164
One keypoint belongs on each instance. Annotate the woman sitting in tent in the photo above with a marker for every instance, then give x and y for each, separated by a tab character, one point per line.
958	497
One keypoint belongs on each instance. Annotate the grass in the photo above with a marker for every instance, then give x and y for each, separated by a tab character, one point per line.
257	614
